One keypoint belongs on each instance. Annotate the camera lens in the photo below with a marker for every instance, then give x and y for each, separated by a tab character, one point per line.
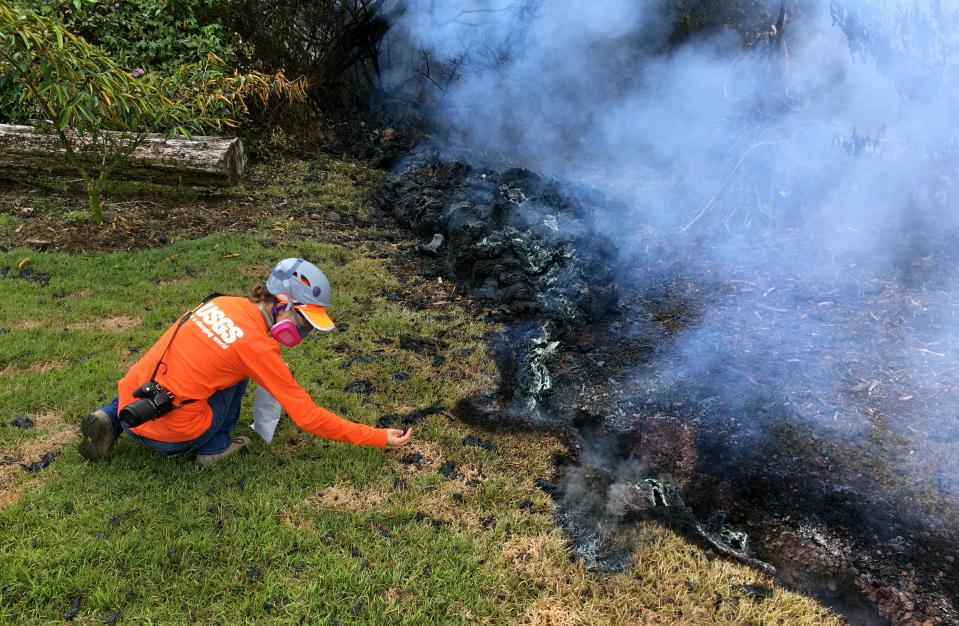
138	412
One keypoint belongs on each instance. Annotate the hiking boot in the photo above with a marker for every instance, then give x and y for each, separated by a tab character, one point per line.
236	444
97	434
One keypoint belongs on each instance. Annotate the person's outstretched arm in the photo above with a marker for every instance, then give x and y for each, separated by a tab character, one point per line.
266	367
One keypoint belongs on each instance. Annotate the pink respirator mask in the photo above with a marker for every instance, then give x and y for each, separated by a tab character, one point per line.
287	332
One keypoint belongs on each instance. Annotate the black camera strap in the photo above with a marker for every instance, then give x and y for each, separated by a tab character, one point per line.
179	325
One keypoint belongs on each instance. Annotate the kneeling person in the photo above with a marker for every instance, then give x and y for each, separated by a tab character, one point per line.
184	395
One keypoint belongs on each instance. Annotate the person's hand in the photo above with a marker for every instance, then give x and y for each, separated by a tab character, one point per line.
396	438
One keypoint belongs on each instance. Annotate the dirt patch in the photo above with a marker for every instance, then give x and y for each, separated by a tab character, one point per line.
46	420
117	323
345	497
552	612
332	498
37	368
129	224
110	324
13	458
31	324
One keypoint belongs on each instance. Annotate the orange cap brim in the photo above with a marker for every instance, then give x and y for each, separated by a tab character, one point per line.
316	315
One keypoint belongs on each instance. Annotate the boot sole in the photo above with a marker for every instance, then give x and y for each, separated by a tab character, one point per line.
97	432
213	459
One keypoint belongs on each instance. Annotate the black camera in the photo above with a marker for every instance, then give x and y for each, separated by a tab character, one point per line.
153	401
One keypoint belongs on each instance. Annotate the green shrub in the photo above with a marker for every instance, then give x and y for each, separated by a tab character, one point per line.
101	112
11	93
157	36
75	217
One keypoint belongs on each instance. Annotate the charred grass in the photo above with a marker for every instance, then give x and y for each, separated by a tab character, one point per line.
303	531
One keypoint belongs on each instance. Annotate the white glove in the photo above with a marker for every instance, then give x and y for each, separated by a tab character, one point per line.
266	414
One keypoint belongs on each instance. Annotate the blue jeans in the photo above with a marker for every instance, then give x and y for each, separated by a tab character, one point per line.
226	411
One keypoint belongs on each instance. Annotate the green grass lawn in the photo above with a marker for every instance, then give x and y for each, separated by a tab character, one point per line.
303	531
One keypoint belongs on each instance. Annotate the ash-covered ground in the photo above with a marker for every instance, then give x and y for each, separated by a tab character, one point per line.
790	410
780	419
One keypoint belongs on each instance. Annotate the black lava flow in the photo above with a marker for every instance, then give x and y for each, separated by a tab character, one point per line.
576	359
525	247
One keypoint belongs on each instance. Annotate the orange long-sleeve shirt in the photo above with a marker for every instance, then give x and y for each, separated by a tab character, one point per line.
225	341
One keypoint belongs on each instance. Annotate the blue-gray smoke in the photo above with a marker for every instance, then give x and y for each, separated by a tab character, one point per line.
808	169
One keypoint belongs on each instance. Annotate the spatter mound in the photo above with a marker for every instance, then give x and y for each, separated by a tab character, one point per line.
522	243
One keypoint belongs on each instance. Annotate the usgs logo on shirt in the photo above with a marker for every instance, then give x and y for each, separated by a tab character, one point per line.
215	324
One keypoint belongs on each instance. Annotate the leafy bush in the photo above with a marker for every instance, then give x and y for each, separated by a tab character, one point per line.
101	112
155	35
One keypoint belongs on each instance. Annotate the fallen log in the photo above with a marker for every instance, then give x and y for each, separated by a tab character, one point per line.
210	161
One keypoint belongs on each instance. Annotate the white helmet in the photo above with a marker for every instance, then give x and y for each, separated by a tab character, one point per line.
307	286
